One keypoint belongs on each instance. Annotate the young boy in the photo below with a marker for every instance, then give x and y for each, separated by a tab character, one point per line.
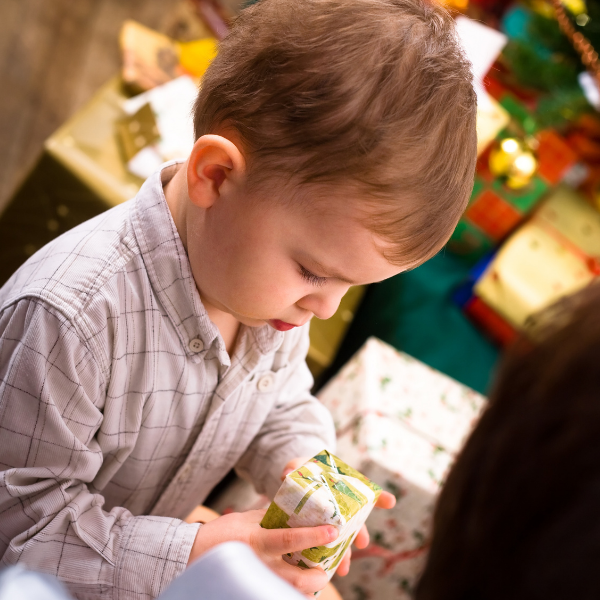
518	515
148	351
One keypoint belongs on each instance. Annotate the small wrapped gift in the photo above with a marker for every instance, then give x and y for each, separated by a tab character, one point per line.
401	423
324	491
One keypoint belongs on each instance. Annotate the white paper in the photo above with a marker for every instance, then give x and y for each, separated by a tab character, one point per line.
172	105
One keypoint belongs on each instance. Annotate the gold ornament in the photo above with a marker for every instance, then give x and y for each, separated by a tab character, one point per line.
542	7
458	4
575	7
513	161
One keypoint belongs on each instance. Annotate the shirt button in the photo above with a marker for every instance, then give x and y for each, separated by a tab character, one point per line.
265	382
196	345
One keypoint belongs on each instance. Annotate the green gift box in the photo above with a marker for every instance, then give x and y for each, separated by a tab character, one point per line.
324	491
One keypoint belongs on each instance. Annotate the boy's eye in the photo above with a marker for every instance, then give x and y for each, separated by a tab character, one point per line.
311	277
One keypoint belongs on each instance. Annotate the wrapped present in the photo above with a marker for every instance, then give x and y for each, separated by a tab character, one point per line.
401	423
496	206
137	131
497	328
170	106
151	59
574	220
555	254
482	45
324	491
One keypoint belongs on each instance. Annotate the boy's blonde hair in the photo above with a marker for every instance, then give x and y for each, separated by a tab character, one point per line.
371	95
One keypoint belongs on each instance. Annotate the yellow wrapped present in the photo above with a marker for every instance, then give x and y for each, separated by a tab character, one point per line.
555	254
324	491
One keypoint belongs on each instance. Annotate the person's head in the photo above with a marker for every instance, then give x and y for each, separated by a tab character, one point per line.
333	137
518	515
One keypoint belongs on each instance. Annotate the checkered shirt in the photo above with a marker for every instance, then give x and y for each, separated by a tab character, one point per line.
120	408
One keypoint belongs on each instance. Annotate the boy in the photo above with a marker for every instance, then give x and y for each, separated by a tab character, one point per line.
518	515
150	350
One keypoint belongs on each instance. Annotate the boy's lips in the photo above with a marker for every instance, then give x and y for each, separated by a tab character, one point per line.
281	325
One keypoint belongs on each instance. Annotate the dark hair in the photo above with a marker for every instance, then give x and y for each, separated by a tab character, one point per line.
519	515
375	95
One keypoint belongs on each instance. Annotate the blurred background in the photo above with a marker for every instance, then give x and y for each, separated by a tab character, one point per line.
96	94
55	55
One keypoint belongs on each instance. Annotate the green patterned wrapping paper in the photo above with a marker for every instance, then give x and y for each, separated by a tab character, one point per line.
324	491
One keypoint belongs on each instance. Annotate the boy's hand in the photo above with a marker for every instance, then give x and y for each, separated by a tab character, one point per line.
385	500
268	544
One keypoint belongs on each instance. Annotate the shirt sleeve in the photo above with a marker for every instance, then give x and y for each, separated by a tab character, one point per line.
297	425
52	396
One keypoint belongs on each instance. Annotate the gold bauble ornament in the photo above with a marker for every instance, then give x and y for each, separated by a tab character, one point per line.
459	4
513	161
575	7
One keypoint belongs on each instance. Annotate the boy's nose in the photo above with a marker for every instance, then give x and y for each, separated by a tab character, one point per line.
321	305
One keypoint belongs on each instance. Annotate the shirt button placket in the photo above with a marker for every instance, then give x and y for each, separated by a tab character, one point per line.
196	345
265	383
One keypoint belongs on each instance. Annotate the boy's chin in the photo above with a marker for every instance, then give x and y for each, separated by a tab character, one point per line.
276	324
251	322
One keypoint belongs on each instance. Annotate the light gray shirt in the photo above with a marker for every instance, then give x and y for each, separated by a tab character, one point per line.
120	408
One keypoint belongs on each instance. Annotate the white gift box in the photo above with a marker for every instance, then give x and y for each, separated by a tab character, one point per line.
400	423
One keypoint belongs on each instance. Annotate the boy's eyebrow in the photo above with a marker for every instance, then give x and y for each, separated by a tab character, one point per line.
330	273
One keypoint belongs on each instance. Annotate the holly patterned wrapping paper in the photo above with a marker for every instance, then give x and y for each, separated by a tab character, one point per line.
401	423
382	381
324	491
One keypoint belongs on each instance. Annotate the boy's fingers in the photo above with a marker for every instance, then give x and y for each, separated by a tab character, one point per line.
386	500
293	465
344	566
256	514
362	538
282	541
307	581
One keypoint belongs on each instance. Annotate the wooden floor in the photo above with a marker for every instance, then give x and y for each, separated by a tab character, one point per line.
53	55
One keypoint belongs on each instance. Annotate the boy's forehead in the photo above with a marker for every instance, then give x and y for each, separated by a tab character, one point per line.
338	244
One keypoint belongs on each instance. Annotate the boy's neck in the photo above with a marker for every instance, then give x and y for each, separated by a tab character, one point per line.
176	195
175	191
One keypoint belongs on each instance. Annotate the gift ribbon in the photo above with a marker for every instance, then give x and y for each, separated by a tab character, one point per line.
591	262
318	482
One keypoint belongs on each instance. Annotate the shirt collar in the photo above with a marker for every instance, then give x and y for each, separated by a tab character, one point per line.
168	268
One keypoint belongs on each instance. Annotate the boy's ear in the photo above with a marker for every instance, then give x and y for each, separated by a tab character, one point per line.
214	161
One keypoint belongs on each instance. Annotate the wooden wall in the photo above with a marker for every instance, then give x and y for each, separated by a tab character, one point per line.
53	55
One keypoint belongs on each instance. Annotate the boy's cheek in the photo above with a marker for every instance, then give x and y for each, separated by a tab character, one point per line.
260	298
250	283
